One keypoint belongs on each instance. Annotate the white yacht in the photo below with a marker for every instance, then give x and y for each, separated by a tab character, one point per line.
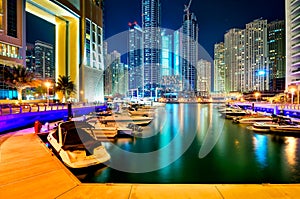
252	119
74	143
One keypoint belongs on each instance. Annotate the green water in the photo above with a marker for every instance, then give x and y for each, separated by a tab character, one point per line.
171	147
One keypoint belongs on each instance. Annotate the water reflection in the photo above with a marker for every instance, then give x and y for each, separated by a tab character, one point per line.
290	150
260	143
237	154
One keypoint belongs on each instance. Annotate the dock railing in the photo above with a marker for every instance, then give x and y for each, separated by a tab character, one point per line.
9	109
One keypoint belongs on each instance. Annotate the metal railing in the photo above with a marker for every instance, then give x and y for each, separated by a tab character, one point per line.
9	109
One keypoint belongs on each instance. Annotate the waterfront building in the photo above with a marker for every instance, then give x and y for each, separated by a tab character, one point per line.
30	57
121	86
231	45
44	60
166	54
135	57
292	17
115	70
116	75
176	53
204	78
234	43
78	42
189	54
219	68
12	40
256	56
151	19
276	45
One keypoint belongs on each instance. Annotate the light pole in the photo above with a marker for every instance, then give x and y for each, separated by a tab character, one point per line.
293	91
257	94
48	84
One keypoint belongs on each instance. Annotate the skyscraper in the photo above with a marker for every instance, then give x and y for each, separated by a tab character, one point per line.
44	60
135	57
219	67
151	18
256	49
276	44
204	77
189	54
176	52
292	44
166	54
234	44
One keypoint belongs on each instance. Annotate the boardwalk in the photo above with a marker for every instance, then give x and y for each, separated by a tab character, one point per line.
28	169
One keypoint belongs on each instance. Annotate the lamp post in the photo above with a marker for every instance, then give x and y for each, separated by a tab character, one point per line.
257	94
48	84
293	91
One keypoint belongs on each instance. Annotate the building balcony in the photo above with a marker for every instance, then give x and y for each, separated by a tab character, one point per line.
295	81
296	54
296	71
296	27
293	3
294	10
296	18
296	45
295	36
296	63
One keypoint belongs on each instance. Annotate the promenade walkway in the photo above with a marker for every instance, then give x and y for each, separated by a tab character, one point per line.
28	169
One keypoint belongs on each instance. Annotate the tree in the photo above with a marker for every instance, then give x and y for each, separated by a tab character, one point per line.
19	77
66	86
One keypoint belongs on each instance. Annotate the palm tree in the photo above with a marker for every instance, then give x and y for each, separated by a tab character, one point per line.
66	86
19	77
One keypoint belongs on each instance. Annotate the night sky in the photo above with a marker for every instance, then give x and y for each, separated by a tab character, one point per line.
215	17
39	29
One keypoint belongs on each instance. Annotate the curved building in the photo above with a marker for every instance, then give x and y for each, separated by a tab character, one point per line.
292	43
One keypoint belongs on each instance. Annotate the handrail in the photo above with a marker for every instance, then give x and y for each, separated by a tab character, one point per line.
9	109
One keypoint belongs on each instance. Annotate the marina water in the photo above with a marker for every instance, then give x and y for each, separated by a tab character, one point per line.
192	143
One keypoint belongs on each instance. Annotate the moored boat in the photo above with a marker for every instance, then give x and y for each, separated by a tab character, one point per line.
251	119
74	143
292	129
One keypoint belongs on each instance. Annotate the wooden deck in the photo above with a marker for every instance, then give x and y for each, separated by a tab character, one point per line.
28	169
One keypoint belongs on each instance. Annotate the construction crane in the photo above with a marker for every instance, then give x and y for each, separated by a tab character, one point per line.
187	8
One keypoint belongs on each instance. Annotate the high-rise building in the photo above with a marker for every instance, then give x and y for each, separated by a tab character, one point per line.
176	52
204	78
166	54
256	56
115	67
135	57
151	18
231	41
12	39
234	43
30	57
219	67
44	60
292	18
189	54
276	44
78	42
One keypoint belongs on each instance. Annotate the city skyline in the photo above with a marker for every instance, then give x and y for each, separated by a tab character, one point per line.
212	23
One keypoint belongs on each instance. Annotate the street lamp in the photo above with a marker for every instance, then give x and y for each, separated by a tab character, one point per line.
293	91
257	94
48	84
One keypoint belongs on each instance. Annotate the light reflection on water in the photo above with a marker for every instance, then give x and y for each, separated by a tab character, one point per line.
239	155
